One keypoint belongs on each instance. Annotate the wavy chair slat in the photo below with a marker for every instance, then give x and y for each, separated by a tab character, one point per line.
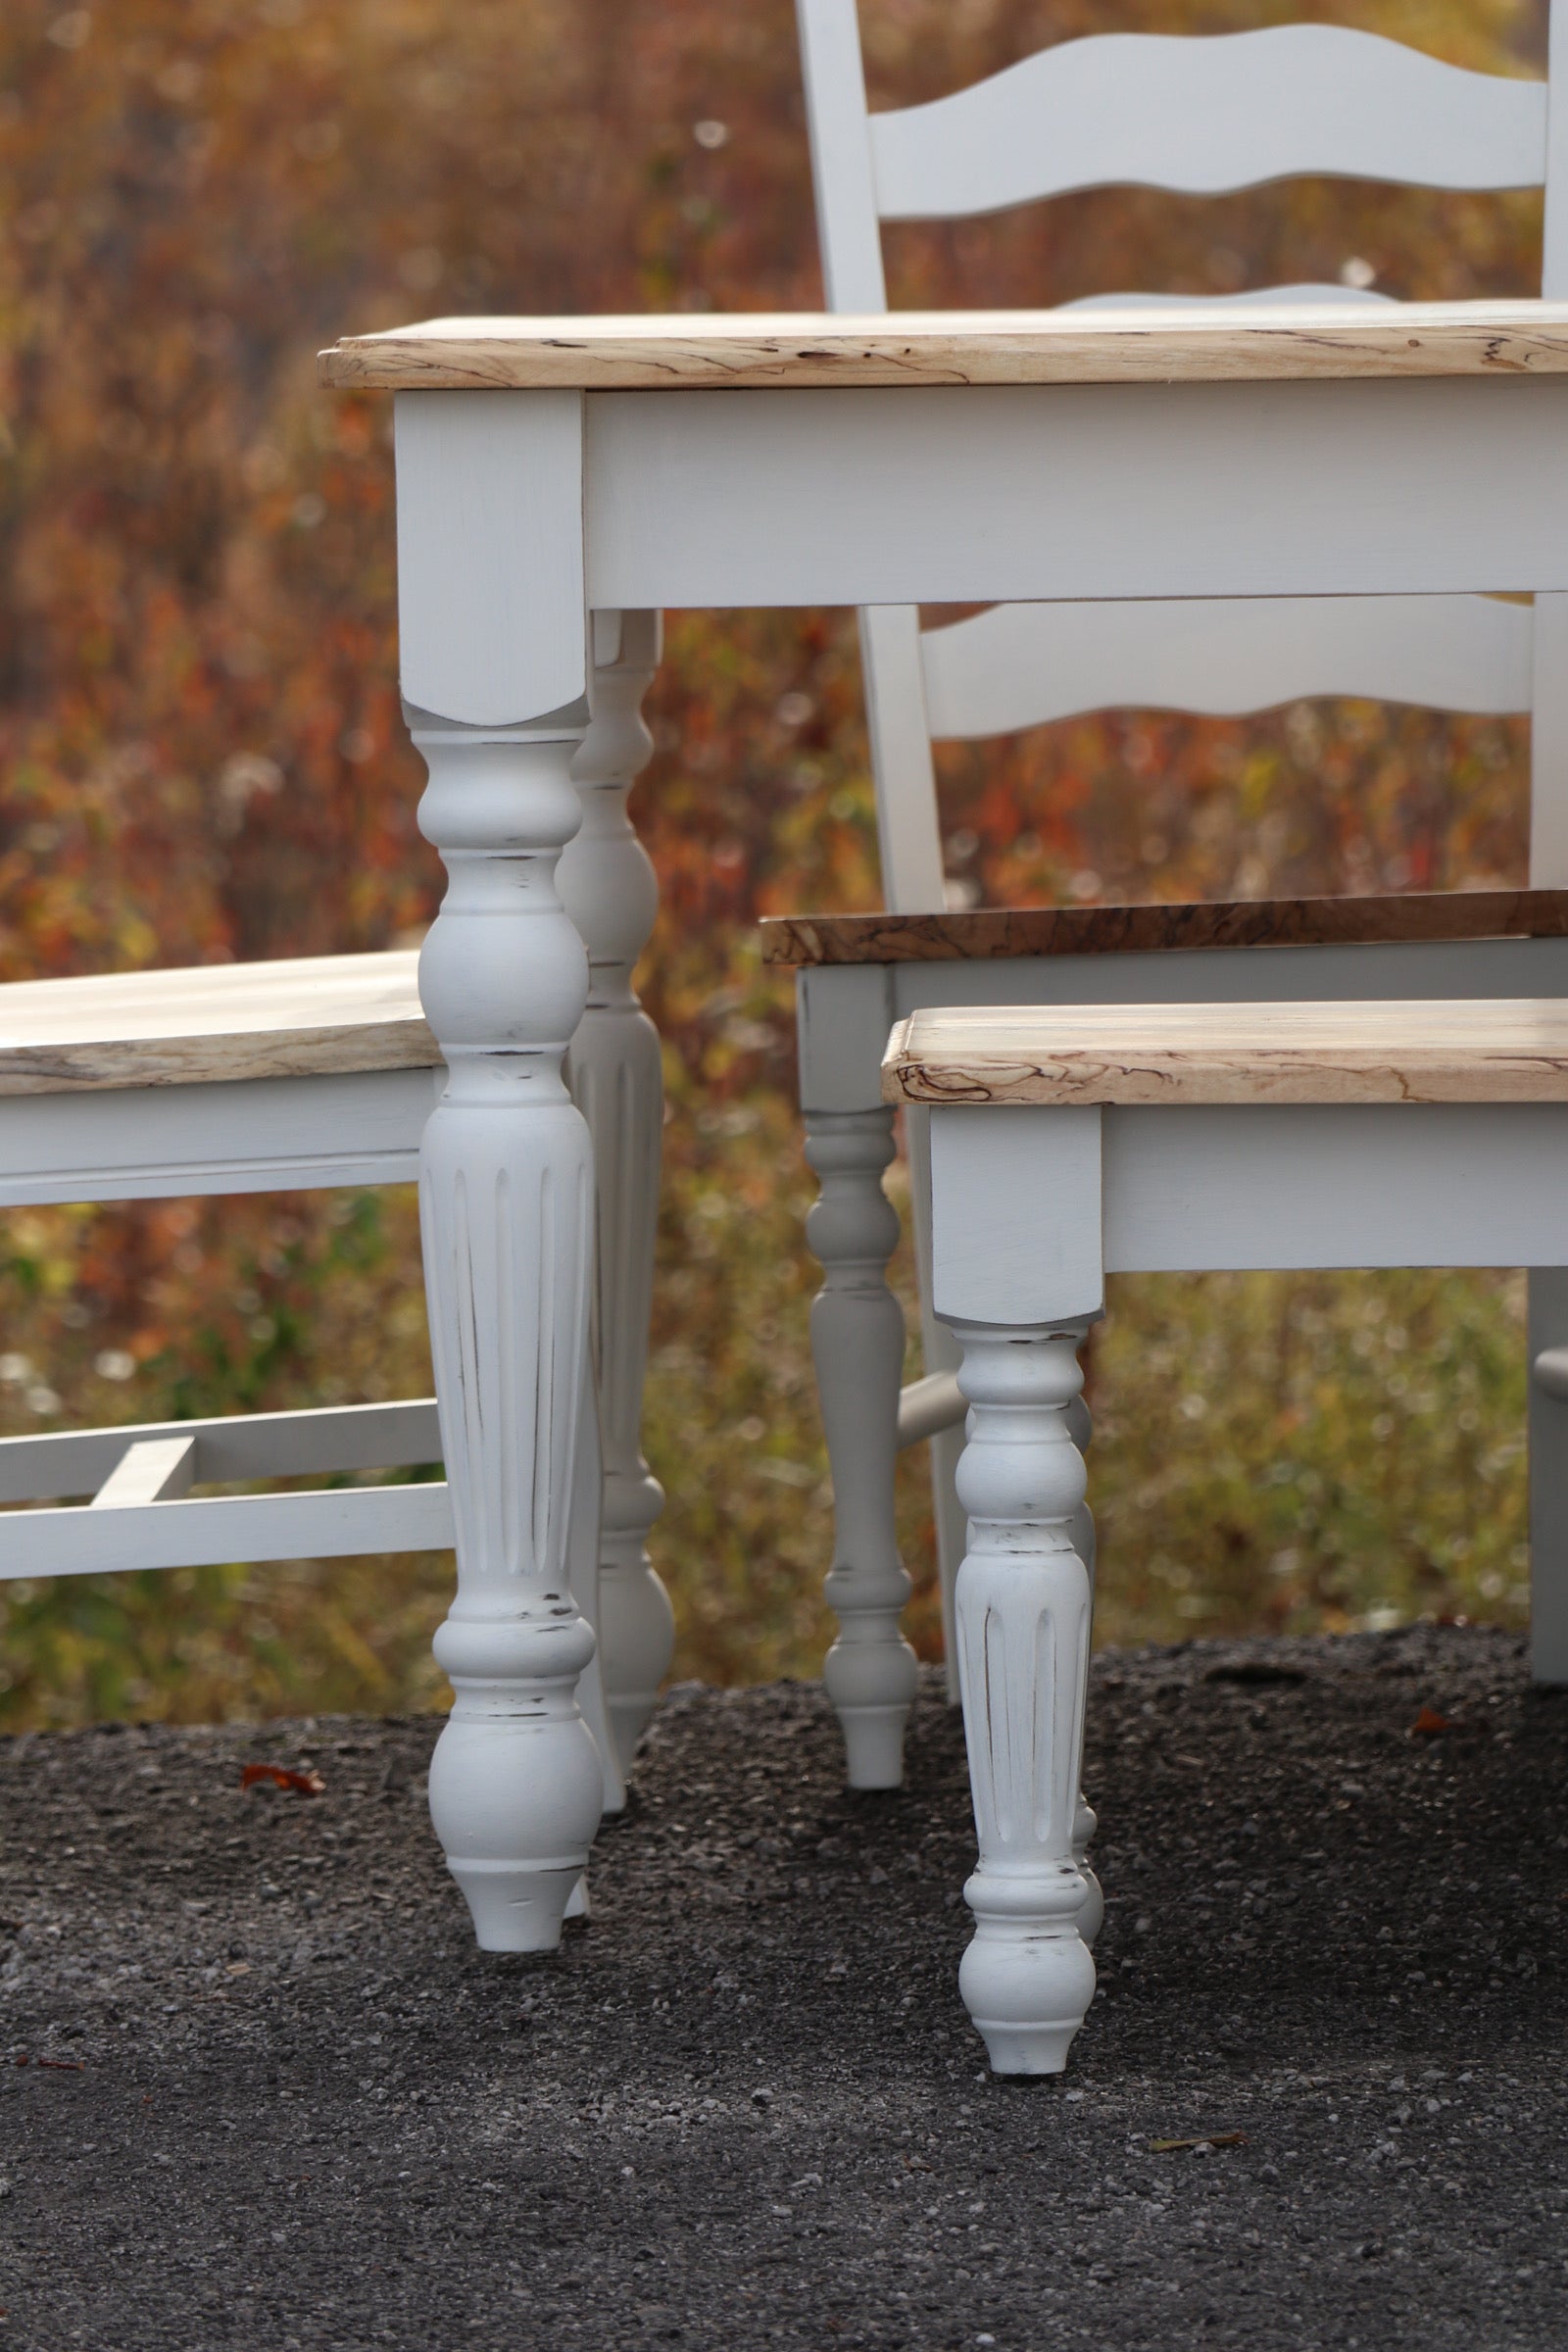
1206	114
1022	665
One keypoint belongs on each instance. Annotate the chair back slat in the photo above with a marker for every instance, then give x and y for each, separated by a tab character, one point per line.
1023	665
1200	115
1266	298
1204	114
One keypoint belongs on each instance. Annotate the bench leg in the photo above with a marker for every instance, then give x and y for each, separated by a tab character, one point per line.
857	1342
506	1194
1023	1620
939	1352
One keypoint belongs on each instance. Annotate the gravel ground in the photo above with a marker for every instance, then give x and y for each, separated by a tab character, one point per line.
261	2091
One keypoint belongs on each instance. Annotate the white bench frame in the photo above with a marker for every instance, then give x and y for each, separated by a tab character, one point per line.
1031	1208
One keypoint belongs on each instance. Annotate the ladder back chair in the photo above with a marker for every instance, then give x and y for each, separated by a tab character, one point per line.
1193	114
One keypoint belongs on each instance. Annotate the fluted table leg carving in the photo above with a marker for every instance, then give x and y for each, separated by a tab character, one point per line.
1022	1607
609	889
858	1341
506	1192
1081	1534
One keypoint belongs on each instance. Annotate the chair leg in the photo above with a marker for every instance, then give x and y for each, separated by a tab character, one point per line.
506	1188
1023	1611
858	1341
939	1352
1549	1481
608	888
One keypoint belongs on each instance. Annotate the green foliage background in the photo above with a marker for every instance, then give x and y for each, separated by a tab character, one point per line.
200	758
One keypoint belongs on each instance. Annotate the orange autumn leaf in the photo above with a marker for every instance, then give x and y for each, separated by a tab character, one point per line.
304	1784
1429	1724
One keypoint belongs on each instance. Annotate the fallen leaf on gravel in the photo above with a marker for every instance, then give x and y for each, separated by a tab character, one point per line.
304	1784
1429	1724
1205	2139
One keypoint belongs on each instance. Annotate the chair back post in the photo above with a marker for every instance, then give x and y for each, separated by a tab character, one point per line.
1548	722
839	129
849	238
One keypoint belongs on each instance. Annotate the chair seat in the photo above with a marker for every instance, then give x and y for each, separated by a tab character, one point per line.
300	1017
990	932
1508	1049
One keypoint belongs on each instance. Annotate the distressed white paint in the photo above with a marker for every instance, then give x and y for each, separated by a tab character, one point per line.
846	1012
151	1470
318	1443
490	602
1548	745
1255	298
927	1405
858	1343
1184	1190
843	174
261	1135
1349	1185
205	1531
1003	493
609	889
842	1024
583	1573
939	1354
1023	1612
1203	115
907	830
1554	246
517	1782
1548	1485
1185	114
996	1259
1022	665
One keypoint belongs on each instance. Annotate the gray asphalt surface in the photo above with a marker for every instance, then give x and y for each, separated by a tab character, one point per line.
259	2090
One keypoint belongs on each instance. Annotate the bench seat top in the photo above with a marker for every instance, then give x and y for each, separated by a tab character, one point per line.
305	1016
990	934
1508	1049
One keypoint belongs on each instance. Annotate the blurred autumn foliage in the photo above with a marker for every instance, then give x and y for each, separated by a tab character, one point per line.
201	758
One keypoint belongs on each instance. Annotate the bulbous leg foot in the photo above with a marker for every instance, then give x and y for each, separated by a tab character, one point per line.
1028	1990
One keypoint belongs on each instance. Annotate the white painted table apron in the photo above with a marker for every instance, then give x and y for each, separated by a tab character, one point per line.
557	478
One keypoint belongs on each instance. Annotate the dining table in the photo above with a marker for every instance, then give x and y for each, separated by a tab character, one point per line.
561	482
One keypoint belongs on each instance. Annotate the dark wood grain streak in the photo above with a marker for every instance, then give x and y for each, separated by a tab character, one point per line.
995	934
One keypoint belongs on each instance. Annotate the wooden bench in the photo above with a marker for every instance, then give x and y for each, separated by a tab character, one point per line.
1069	1140
252	1077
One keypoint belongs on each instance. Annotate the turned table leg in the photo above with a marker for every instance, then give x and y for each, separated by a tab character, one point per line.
505	1190
608	888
